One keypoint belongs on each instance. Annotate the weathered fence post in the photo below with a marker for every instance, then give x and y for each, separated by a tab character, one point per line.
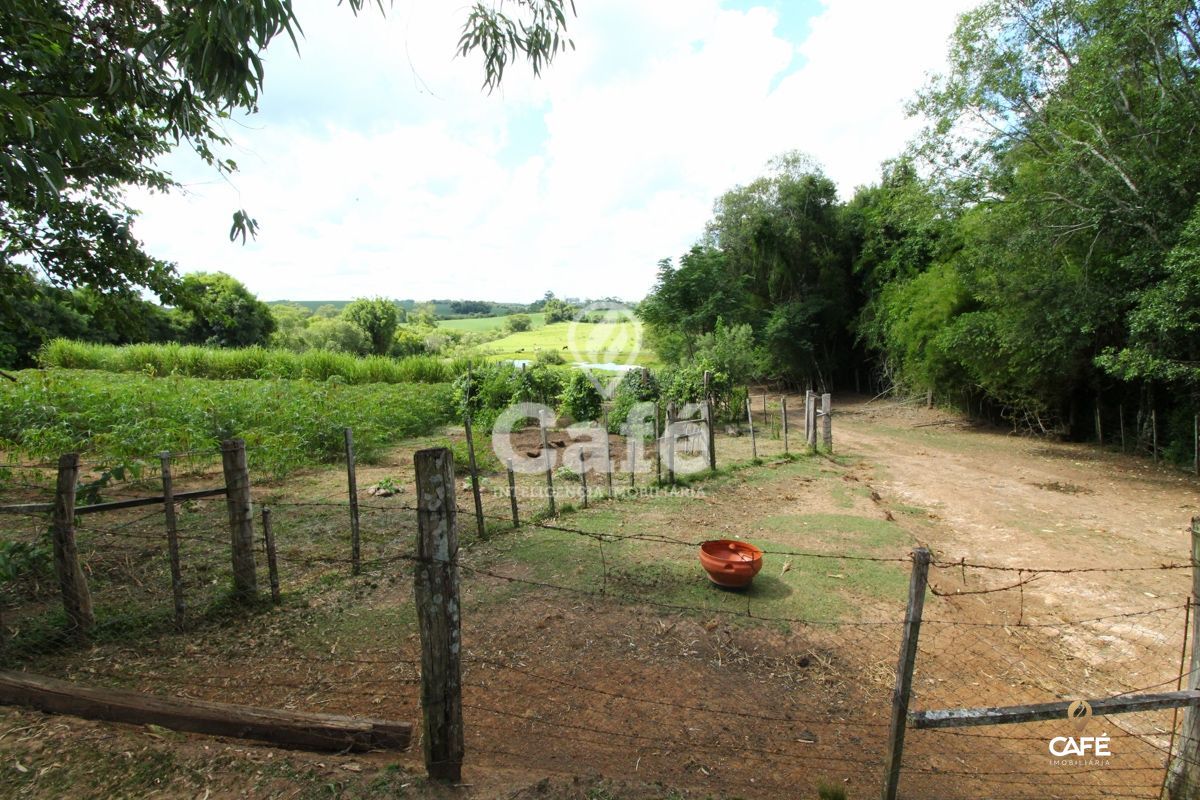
172	538
512	495
810	419
241	519
1121	416
750	417
583	478
827	421
711	433
902	690
1154	432
77	600
549	469
439	614
269	546
783	421
671	443
1183	776
608	464
658	423
633	462
352	488
1099	427
479	525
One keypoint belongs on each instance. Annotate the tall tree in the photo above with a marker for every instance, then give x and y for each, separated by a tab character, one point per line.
377	317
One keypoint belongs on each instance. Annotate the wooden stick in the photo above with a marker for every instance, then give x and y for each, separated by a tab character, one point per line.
1154	432
479	523
827	421
583	478
1183	776
902	691
608	462
241	520
77	599
658	422
1038	712
784	421
549	470
289	728
1099	428
352	489
115	505
512	495
272	564
671	443
711	433
172	539
439	614
750	417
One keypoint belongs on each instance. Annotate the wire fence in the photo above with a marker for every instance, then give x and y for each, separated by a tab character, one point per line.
577	653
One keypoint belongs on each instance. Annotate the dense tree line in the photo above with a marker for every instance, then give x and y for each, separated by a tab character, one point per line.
1034	253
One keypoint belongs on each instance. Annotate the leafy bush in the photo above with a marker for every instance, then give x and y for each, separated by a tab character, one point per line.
540	384
581	400
635	386
518	323
335	336
549	357
288	423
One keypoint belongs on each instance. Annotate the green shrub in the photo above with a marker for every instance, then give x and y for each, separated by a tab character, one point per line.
549	357
581	400
518	323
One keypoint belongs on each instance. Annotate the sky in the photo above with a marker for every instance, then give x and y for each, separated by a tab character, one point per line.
377	166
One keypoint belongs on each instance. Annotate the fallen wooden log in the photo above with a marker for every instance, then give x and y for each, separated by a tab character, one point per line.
303	730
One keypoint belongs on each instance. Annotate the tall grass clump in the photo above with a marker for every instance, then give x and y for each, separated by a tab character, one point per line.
215	363
291	423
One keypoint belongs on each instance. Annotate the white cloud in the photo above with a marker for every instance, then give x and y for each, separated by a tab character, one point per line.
377	166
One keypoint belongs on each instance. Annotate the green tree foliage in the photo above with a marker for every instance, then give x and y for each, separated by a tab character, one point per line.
558	310
377	318
776	257
336	336
518	323
95	92
222	311
581	400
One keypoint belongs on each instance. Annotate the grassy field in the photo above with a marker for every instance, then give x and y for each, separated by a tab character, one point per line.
480	324
121	418
620	342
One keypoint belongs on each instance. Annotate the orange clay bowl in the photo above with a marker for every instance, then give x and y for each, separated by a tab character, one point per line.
729	563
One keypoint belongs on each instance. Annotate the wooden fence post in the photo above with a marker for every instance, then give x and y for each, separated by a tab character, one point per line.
77	600
1099	426
479	524
902	690
783	421
633	462
269	545
711	433
1154	432
750	417
172	538
241	519
549	470
439	614
827	421
512	495
1121	416
671	443
608	464
583	478
1183	776
810	419
352	488
658	423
